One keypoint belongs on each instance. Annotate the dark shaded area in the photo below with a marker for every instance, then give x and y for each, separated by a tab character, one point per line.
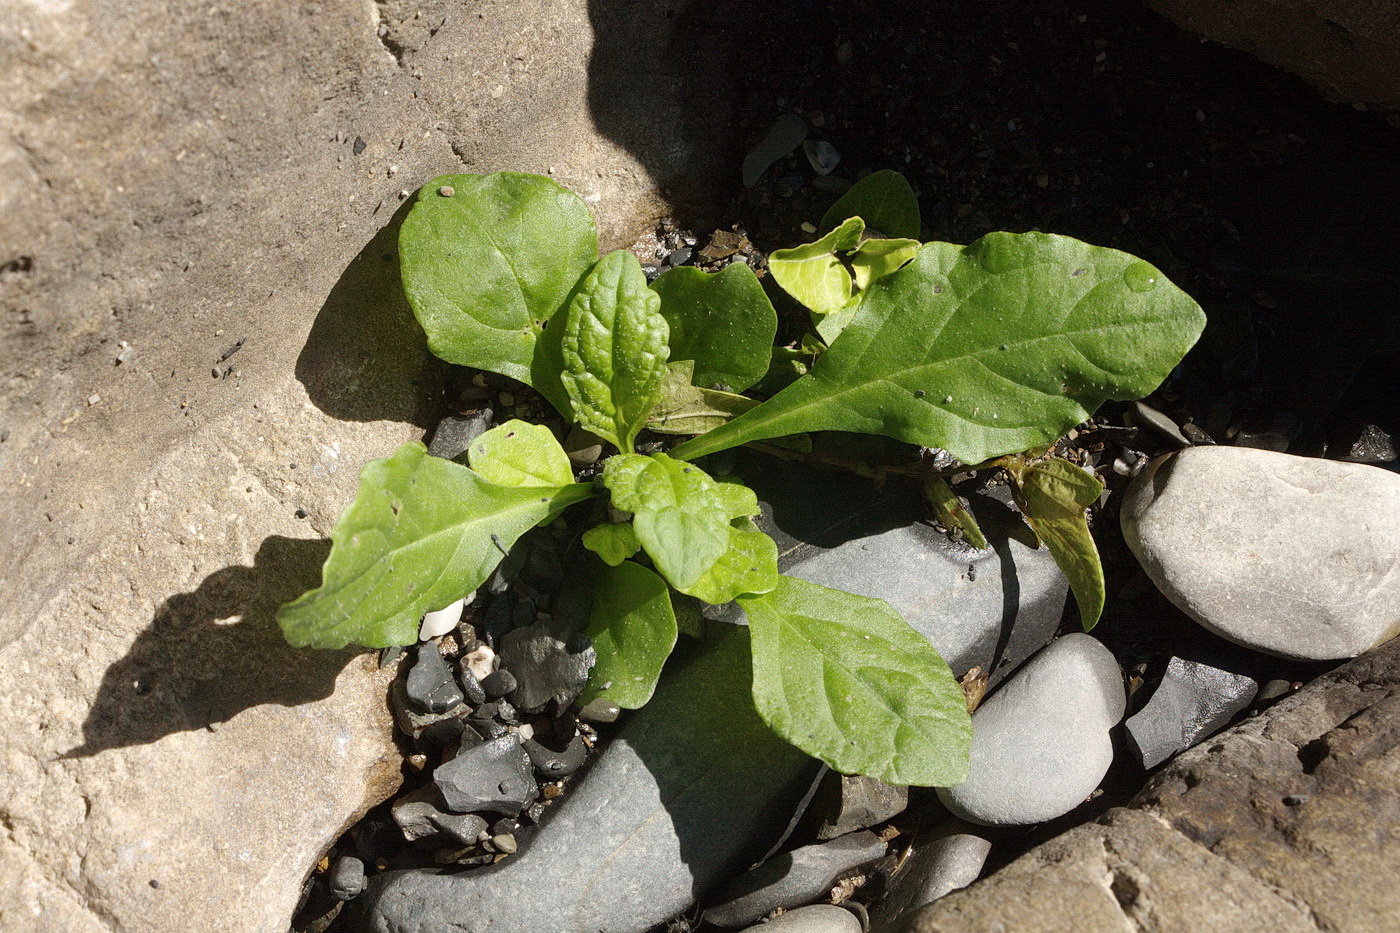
366	358
212	653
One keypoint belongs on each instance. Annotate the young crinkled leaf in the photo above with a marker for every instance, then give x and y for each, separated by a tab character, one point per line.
846	680
633	629
883	200
749	566
486	261
614	542
875	259
421	533
722	321
985	350
520	454
688	409
680	515
1053	495
614	349
813	274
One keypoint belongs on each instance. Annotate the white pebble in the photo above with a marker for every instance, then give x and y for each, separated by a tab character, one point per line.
444	620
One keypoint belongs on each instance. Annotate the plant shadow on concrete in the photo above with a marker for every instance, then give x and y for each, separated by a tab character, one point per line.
214	652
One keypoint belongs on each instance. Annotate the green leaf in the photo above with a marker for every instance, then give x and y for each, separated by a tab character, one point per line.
421	533
952	513
846	680
1053	495
687	409
723	321
875	259
813	274
520	454
991	349
749	566
633	628
613	542
884	200
680	515
485	267
614	348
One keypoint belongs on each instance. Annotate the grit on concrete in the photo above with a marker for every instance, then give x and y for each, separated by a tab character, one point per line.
1289	821
176	178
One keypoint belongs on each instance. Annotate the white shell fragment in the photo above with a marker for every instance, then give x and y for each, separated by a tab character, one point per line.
441	621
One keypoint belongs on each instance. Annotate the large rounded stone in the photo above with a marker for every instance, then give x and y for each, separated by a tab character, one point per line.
1040	744
1293	556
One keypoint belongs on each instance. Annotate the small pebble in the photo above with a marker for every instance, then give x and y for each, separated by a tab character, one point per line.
1296	800
504	842
446	191
471	687
347	877
430	685
442	621
498	683
601	710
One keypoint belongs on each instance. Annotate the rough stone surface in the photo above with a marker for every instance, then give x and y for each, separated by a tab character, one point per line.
793	878
1040	744
493	776
814	918
1293	556
1193	701
177	179
1283	822
845	803
1345	48
694	788
551	663
992	608
943	860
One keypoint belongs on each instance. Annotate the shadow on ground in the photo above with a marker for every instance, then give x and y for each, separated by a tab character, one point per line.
212	653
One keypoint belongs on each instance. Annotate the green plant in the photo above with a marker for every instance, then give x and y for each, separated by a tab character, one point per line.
990	351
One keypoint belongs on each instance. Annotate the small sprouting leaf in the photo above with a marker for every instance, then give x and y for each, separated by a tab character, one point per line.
876	258
723	321
486	261
421	533
614	349
520	454
952	513
633	629
613	542
687	409
1053	494
680	515
813	274
749	566
985	350
884	200
846	680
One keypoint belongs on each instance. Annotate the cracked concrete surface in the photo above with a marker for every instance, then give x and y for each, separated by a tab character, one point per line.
174	179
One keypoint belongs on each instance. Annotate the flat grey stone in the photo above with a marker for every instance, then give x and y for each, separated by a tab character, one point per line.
493	776
1193	701
793	878
423	819
1040	743
550	662
1293	556
814	918
455	433
989	608
694	788
942	861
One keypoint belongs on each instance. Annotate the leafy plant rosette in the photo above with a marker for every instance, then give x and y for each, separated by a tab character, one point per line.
990	351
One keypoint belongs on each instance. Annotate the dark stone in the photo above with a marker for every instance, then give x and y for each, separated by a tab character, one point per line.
1193	701
600	710
694	788
471	687
430	686
793	878
498	683
423	819
412	723
845	803
679	257
551	763
551	663
455	433
347	877
494	776
944	859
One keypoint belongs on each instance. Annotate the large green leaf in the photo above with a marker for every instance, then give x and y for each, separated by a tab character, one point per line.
846	680
1053	495
750	565
486	261
680	515
421	533
813	274
633	628
994	348
614	348
883	200
723	321
688	409
520	454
